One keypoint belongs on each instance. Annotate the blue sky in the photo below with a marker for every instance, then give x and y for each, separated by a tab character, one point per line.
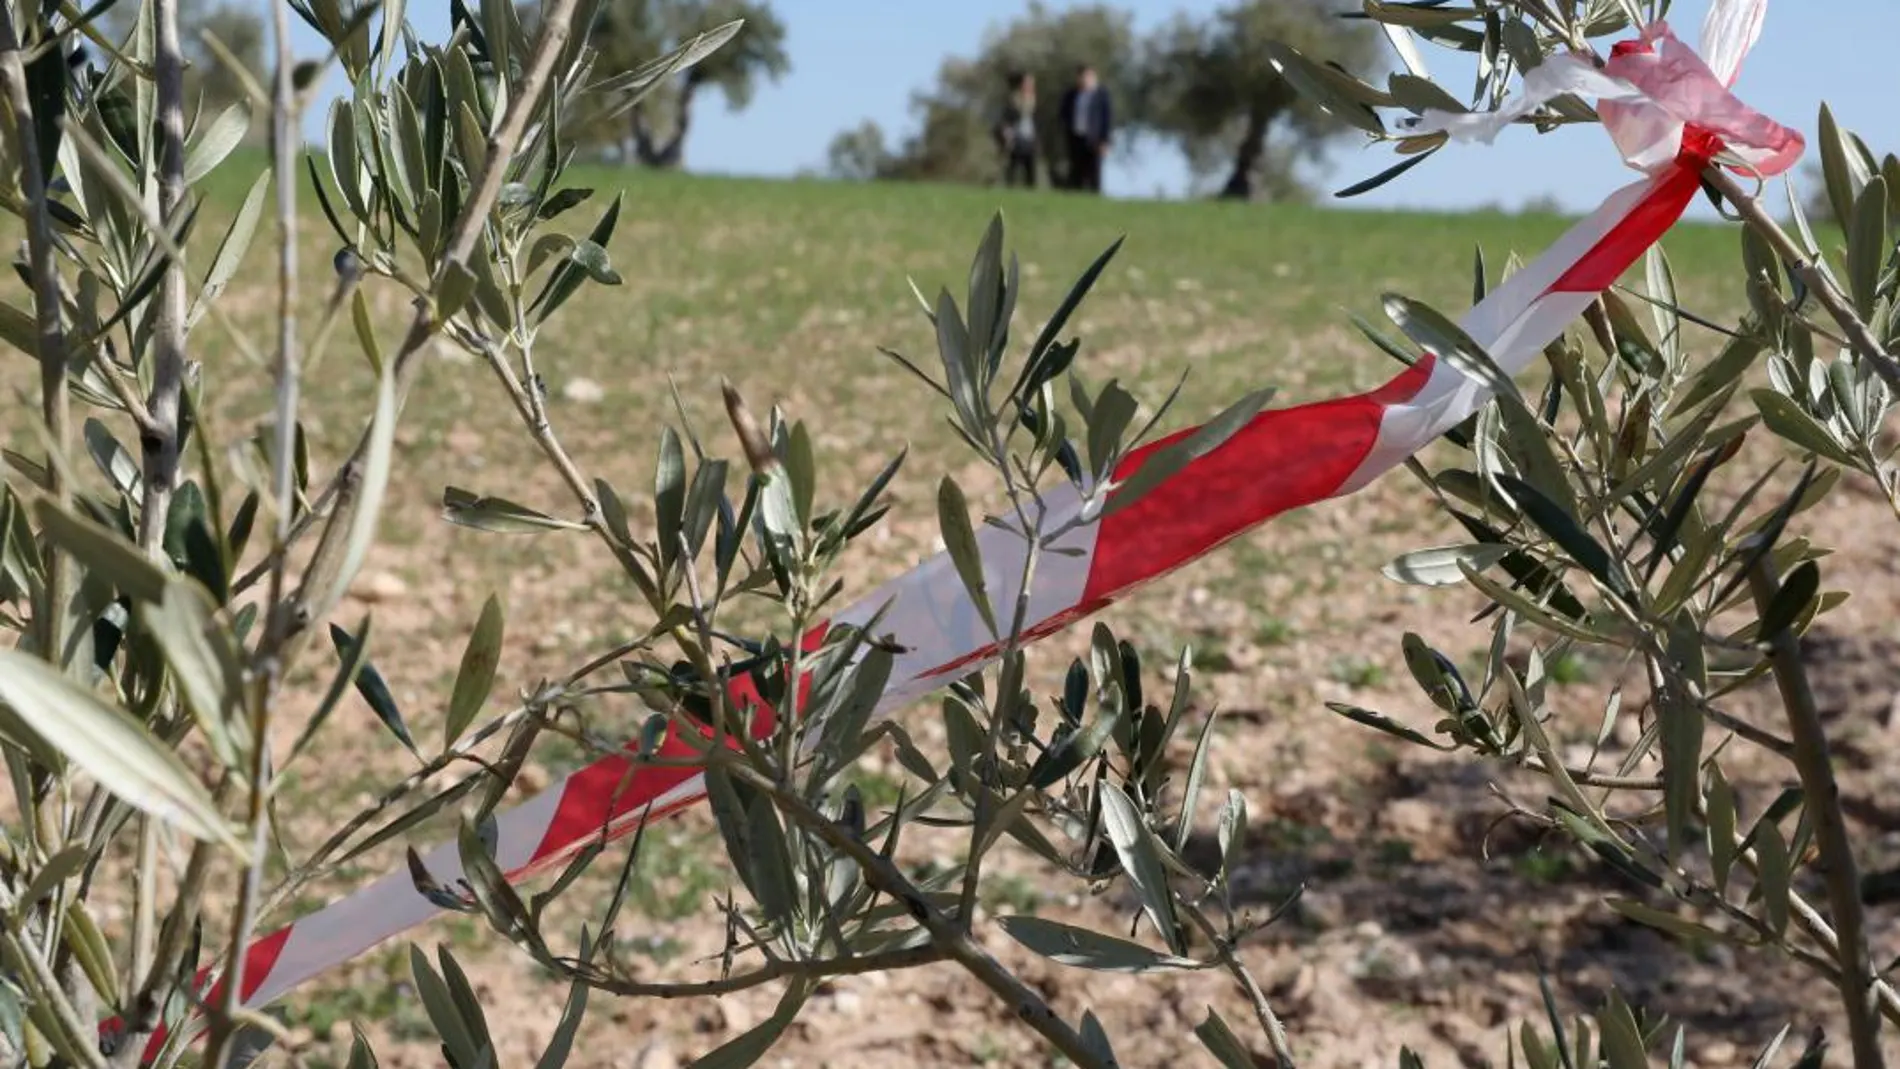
859	59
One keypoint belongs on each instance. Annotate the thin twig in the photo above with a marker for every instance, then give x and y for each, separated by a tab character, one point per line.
534	416
284	123
696	650
50	334
307	519
1811	922
318	864
1820	931
1823	804
1583	777
125	392
144	909
278	623
157	420
776	969
1767	740
1818	281
1008	688
1262	1010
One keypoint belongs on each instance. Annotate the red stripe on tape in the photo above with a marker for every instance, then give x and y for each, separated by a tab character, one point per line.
1279	461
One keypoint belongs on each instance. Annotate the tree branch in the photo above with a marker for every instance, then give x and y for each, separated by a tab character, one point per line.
142	1009
1263	1011
1860	337
1823	804
224	1025
534	417
1024	1003
1810	921
157	420
50	337
777	969
159	441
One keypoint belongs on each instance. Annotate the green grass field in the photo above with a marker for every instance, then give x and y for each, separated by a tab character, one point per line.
789	288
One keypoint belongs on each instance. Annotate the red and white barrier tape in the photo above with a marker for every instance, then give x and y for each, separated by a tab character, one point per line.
1669	113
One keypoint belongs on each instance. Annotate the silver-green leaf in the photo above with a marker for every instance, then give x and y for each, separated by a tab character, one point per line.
1868	245
377	458
1444	565
1166	462
220	136
1141	859
498	515
749	1047
959	538
112	747
1066	944
102	551
1219	1039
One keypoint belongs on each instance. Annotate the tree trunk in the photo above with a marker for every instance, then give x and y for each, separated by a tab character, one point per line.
1247	156
671	153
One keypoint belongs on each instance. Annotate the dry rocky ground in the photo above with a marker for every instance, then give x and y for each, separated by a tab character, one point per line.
1424	915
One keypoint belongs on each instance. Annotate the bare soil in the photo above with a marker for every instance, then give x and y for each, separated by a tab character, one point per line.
1424	911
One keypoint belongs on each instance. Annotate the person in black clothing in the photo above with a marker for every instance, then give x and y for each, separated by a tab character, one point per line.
1087	119
1016	131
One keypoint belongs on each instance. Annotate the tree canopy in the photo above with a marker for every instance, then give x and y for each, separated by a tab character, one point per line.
857	154
632	32
956	116
1210	87
1203	84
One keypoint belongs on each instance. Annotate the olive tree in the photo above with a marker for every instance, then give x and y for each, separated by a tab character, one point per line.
162	596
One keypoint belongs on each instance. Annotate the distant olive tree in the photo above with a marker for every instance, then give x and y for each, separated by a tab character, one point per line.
1209	85
223	44
858	154
1205	84
956	116
632	32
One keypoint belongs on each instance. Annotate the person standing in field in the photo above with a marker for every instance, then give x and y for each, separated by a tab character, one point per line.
1016	131
1088	120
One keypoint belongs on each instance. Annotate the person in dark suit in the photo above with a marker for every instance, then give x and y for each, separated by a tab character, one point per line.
1088	120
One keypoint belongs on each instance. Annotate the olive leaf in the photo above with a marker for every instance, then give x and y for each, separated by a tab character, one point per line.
498	515
477	674
113	748
1066	944
953	517
1141	860
369	684
205	663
